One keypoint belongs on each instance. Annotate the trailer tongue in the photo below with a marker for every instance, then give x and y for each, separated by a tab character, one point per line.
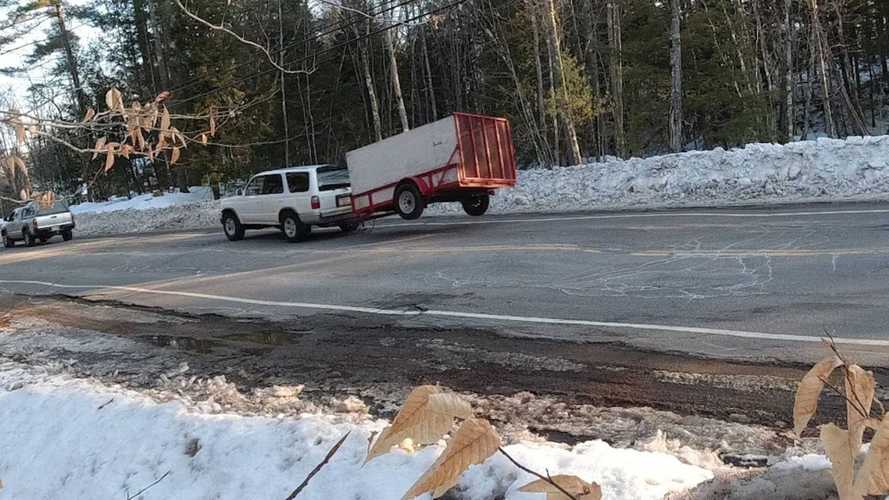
461	158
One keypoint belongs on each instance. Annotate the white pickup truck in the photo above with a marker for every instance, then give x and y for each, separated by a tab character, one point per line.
33	223
293	200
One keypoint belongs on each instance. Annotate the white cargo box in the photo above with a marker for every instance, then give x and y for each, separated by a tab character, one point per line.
408	154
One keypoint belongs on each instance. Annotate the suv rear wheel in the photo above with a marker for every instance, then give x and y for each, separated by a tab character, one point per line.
67	235
293	228
232	227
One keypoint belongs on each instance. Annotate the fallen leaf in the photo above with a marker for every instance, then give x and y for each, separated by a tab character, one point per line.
806	402
100	146
473	443
577	487
427	414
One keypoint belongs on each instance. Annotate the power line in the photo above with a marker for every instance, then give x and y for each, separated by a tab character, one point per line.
324	51
330	29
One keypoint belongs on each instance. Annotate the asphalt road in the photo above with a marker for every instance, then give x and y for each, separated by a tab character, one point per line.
737	283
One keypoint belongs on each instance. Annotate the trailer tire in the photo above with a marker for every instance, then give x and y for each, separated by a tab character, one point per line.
293	228
477	205
408	201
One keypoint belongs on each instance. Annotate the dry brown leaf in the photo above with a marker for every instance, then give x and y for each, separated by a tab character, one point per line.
212	123
19	162
806	402
90	113
114	100
873	476
427	414
842	459
165	120
860	386
109	159
174	156
580	489
100	146
204	139
472	444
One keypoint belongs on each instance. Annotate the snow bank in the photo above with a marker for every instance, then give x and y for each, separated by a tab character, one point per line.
173	217
197	194
80	439
825	169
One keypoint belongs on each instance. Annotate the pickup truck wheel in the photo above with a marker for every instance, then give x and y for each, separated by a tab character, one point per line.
232	227
477	205
408	201
293	228
7	242
29	238
67	235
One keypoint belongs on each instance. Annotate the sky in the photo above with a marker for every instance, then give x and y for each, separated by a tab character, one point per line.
16	52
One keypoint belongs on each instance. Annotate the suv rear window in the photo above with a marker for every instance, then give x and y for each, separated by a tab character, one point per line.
298	182
330	178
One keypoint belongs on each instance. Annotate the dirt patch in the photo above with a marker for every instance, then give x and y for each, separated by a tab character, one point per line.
564	391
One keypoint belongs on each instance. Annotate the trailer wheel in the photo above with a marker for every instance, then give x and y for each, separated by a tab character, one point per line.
408	201
293	228
477	205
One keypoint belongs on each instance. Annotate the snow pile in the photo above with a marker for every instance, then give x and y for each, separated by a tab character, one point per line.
133	220
59	434
148	201
825	169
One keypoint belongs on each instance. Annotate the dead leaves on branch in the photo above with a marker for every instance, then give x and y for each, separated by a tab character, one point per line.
149	120
428	414
473	443
843	446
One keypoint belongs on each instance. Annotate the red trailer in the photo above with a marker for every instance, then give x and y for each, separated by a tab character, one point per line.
461	158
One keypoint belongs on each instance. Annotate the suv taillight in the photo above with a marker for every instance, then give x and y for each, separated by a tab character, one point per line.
316	202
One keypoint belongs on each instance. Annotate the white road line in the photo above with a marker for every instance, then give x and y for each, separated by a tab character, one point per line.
640	215
464	315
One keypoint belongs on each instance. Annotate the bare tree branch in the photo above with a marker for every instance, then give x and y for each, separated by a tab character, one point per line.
537	474
318	467
152	485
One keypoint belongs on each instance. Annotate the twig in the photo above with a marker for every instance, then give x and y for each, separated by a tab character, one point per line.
143	490
106	404
318	467
540	476
833	347
859	409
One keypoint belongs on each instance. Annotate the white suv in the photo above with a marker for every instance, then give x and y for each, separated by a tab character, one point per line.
293	200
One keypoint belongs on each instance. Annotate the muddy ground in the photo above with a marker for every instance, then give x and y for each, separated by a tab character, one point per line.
562	391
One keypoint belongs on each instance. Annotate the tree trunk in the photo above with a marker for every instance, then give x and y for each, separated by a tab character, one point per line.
560	91
144	41
541	93
371	93
788	72
396	81
283	85
676	87
159	53
615	66
822	47
430	88
70	59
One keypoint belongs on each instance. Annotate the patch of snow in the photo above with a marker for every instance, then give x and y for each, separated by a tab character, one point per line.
809	461
148	201
89	440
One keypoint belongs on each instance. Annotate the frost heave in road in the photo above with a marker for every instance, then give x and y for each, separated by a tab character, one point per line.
856	168
88	440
